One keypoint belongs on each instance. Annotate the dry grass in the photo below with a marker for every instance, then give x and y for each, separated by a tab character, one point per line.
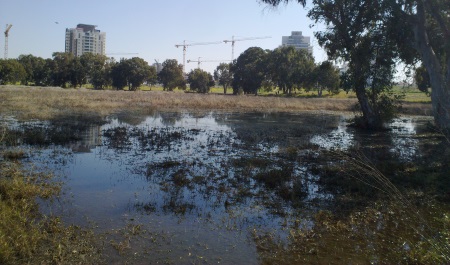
42	103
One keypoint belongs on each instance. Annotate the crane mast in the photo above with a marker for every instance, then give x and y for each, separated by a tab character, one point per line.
8	27
233	40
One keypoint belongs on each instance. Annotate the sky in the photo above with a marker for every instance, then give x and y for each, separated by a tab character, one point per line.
151	28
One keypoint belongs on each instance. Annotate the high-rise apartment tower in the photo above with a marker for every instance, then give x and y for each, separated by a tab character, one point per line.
298	41
85	38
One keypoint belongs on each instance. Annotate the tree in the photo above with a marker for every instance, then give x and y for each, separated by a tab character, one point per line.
171	76
223	75
152	77
415	29
325	77
11	71
61	68
249	71
422	79
356	34
118	75
200	81
77	72
29	63
100	77
137	71
290	68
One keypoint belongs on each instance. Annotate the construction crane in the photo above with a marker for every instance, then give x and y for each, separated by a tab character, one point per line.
185	45
8	27
199	61
233	40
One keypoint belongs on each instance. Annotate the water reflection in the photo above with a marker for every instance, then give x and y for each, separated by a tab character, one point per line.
218	174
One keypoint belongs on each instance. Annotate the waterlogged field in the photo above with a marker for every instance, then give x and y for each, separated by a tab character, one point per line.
246	188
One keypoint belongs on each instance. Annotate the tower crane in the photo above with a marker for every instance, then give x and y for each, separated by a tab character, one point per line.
233	40
199	61
8	27
185	45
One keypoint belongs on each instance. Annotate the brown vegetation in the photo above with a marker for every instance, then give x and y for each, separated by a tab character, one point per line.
42	103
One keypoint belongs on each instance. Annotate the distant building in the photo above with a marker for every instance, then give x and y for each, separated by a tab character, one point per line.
85	39
298	41
158	66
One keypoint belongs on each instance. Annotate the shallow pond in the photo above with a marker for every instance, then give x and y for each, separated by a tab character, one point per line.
190	188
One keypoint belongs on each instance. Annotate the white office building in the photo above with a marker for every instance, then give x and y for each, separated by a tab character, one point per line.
85	39
298	41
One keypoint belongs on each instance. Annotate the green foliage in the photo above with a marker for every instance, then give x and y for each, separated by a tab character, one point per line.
325	77
223	75
249	70
377	34
132	73
11	71
422	79
171	75
289	68
200	81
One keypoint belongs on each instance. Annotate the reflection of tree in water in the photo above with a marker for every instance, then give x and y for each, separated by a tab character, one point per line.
133	119
170	118
281	129
80	132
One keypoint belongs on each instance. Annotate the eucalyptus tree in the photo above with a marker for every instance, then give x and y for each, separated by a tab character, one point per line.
408	30
290	68
249	71
171	76
223	76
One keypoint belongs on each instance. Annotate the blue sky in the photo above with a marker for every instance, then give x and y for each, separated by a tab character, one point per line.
152	28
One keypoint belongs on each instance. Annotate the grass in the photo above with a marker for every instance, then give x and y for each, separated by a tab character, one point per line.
26	236
44	103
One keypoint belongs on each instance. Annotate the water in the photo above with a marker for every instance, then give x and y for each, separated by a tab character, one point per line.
198	184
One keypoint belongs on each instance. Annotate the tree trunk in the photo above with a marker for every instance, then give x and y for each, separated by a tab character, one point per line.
440	85
370	118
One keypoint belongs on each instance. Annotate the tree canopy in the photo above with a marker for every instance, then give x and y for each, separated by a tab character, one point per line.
200	81
223	75
248	71
290	68
171	75
373	35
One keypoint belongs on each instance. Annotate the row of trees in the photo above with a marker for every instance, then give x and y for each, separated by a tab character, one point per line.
64	69
285	68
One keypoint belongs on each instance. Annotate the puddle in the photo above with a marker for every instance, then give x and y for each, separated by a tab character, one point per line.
200	182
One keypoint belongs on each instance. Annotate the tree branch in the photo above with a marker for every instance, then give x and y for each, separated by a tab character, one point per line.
434	11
